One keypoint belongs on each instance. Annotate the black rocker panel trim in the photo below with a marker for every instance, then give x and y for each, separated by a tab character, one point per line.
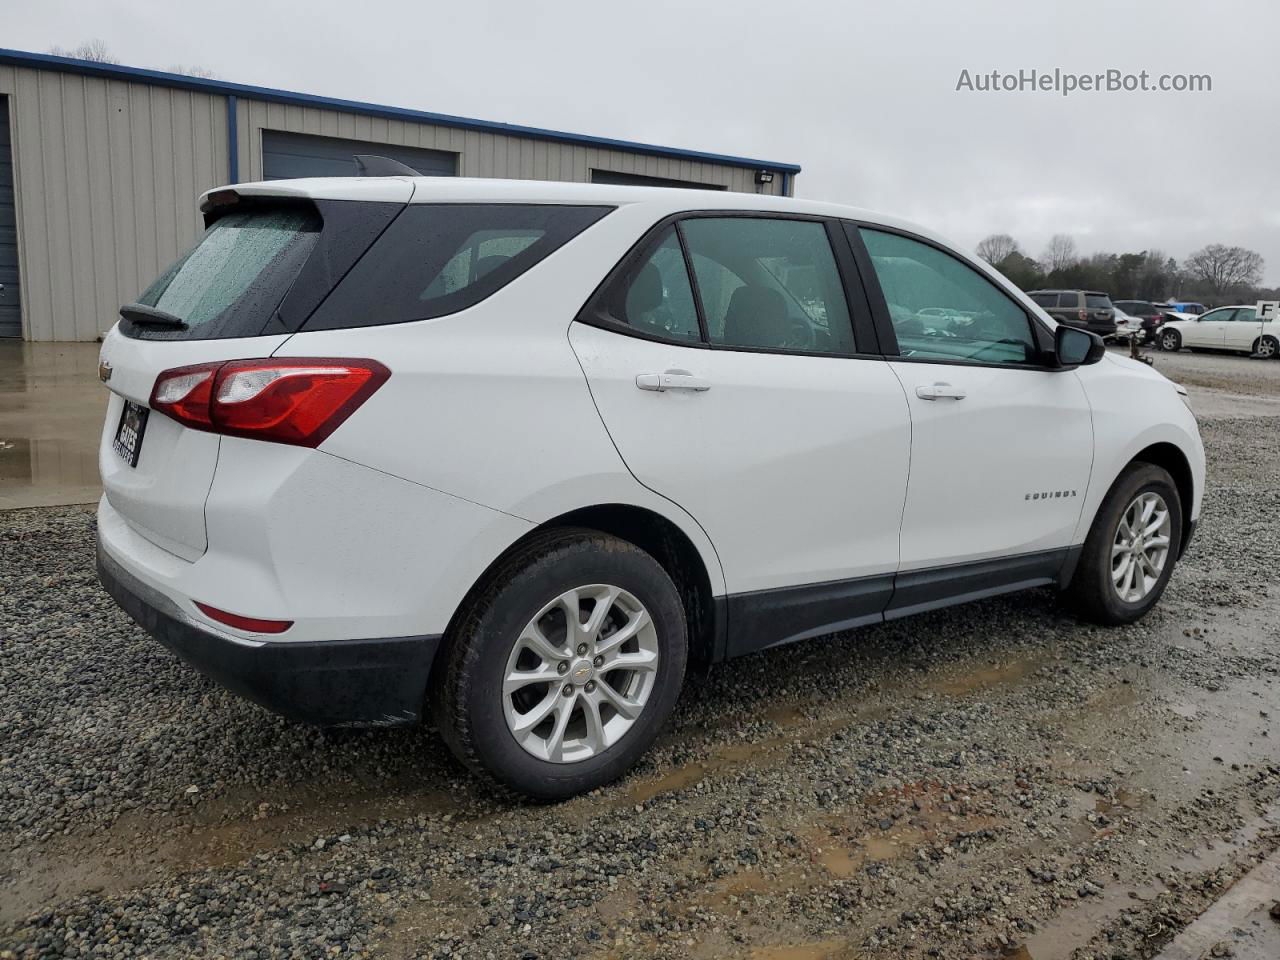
769	618
916	591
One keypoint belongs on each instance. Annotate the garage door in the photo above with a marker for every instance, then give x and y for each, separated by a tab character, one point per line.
289	155
10	315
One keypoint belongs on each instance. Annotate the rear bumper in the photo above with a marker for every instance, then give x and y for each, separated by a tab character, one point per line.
342	683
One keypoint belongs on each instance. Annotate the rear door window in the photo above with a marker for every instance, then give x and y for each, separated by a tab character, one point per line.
769	284
437	258
1045	299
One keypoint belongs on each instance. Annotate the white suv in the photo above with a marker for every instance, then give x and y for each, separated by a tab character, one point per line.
514	453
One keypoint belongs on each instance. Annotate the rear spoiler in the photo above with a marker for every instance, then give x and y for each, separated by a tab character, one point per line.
384	188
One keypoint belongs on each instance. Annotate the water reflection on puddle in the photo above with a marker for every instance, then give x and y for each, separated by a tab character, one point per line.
51	410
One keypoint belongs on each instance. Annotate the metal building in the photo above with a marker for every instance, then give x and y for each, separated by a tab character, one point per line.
100	166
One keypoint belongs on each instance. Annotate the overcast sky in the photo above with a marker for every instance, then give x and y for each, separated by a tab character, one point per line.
862	95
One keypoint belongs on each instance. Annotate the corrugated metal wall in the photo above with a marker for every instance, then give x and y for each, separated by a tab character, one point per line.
107	171
481	154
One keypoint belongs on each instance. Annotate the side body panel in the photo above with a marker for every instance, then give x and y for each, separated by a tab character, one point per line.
1001	472
1244	330
1133	408
796	466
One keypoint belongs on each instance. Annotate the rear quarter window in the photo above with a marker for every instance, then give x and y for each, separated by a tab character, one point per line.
1096	301
437	259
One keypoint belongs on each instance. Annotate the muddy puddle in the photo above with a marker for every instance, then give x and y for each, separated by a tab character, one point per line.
221	832
1058	938
800	723
822	950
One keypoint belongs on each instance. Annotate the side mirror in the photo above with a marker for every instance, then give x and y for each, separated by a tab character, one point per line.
1074	347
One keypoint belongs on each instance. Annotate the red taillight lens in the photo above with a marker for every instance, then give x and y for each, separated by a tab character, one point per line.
184	393
298	401
292	401
251	624
1083	315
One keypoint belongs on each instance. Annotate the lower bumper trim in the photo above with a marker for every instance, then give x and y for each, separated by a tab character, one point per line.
337	683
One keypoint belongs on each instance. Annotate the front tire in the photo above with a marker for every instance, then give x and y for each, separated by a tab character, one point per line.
1170	340
1131	549
547	706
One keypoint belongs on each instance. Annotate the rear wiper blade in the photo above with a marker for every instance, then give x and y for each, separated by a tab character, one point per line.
141	313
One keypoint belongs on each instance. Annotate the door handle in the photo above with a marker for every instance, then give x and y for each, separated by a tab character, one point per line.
672	380
940	391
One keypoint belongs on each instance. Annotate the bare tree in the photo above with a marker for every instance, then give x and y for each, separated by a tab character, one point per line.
1222	268
996	248
1061	253
94	50
201	72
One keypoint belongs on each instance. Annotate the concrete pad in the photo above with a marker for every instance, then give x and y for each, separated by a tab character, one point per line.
1241	921
51	412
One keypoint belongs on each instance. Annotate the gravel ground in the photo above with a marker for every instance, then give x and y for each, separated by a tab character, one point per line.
993	780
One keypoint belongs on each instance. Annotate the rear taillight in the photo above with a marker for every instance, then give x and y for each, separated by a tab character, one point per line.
1083	315
298	401
184	394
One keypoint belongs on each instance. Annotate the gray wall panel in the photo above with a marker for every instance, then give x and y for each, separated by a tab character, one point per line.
106	173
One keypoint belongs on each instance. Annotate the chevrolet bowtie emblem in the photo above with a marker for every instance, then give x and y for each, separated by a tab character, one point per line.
104	371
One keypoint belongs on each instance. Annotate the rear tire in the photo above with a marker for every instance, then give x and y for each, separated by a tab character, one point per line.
1117	579
1267	348
1170	340
546	709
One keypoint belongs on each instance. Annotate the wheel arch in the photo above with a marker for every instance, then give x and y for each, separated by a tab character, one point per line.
1171	458
658	536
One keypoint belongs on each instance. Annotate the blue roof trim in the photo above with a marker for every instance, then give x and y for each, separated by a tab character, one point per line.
45	61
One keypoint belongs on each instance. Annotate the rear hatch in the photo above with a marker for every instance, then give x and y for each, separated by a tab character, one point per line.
265	261
1100	308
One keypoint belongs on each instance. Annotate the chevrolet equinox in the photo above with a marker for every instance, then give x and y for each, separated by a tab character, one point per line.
510	455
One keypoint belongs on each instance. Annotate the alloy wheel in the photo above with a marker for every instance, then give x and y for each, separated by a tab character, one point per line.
580	673
1266	347
1140	549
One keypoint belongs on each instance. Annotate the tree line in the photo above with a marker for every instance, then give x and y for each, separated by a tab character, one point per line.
1213	275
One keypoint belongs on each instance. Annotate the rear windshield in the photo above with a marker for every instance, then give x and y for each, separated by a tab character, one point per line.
1097	301
437	259
232	280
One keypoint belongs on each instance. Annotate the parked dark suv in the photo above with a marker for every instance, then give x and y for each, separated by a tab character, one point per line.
1151	315
1087	309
